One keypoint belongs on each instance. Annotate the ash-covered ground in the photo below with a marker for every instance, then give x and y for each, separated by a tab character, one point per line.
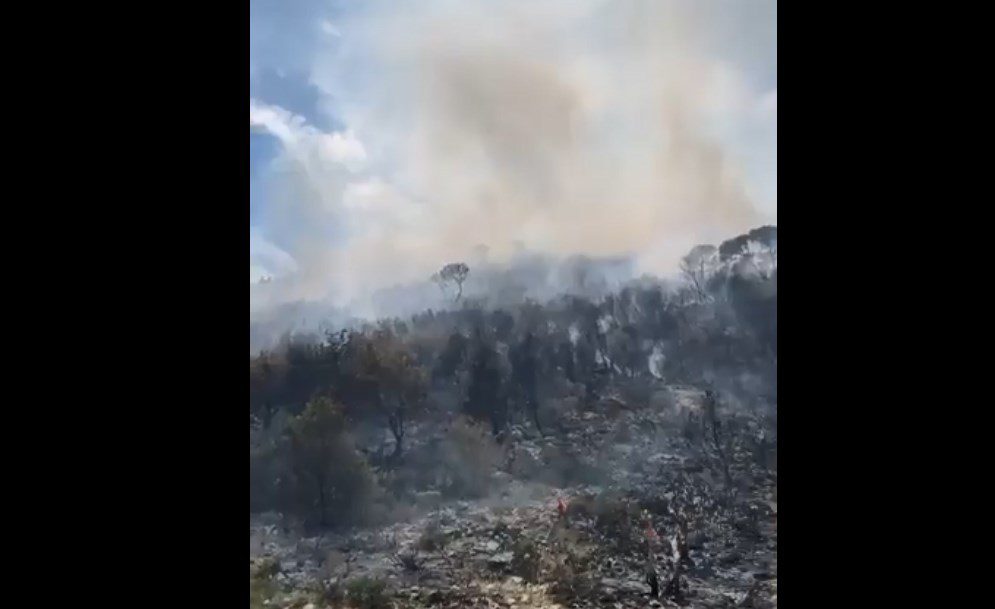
676	491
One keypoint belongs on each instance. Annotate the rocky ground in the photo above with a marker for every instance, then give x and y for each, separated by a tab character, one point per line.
658	498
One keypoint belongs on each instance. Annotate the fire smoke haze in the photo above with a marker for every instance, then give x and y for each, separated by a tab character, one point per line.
392	137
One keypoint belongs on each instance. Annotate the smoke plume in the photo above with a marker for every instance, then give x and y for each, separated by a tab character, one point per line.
623	129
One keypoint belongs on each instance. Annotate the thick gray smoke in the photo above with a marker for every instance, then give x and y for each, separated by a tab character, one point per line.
622	129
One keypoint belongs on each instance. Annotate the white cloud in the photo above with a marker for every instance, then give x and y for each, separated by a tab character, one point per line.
266	259
342	147
329	28
582	126
300	138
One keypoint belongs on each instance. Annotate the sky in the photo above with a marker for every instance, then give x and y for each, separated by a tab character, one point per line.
388	138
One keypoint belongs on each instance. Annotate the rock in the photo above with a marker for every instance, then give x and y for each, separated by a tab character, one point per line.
492	546
434	598
696	540
634	586
661	400
500	559
428	499
524	462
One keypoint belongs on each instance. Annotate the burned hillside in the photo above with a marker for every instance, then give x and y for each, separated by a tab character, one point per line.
577	452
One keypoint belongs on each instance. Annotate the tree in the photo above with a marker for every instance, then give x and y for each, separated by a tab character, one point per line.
451	358
565	360
766	236
331	476
437	280
698	266
403	386
503	324
711	419
525	369
384	380
455	272
485	399
623	349
266	380
312	368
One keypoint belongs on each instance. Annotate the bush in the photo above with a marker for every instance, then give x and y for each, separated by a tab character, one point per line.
615	517
368	593
581	506
469	458
262	587
269	467
571	571
432	538
265	568
331	592
565	468
333	484
525	559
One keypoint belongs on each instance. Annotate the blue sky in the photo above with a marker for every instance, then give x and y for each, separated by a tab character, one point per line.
388	137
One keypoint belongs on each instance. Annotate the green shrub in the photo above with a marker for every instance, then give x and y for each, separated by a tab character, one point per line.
333	485
368	593
262	587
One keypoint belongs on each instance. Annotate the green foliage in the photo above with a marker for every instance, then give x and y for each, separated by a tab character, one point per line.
368	593
333	483
383	381
262	586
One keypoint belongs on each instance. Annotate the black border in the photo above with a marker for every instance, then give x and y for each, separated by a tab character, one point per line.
163	485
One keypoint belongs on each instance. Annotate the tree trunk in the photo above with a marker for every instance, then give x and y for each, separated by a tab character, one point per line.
653	580
535	416
398	447
321	502
396	423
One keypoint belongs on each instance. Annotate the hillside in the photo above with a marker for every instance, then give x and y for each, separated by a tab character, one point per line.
613	450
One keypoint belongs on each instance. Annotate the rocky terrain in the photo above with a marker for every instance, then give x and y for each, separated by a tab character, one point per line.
665	494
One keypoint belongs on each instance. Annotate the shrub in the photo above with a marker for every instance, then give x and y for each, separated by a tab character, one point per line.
262	587
615	517
564	467
432	538
269	469
368	593
333	484
571	571
525	559
469	458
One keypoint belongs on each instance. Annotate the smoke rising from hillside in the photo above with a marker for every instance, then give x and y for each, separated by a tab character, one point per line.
627	129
